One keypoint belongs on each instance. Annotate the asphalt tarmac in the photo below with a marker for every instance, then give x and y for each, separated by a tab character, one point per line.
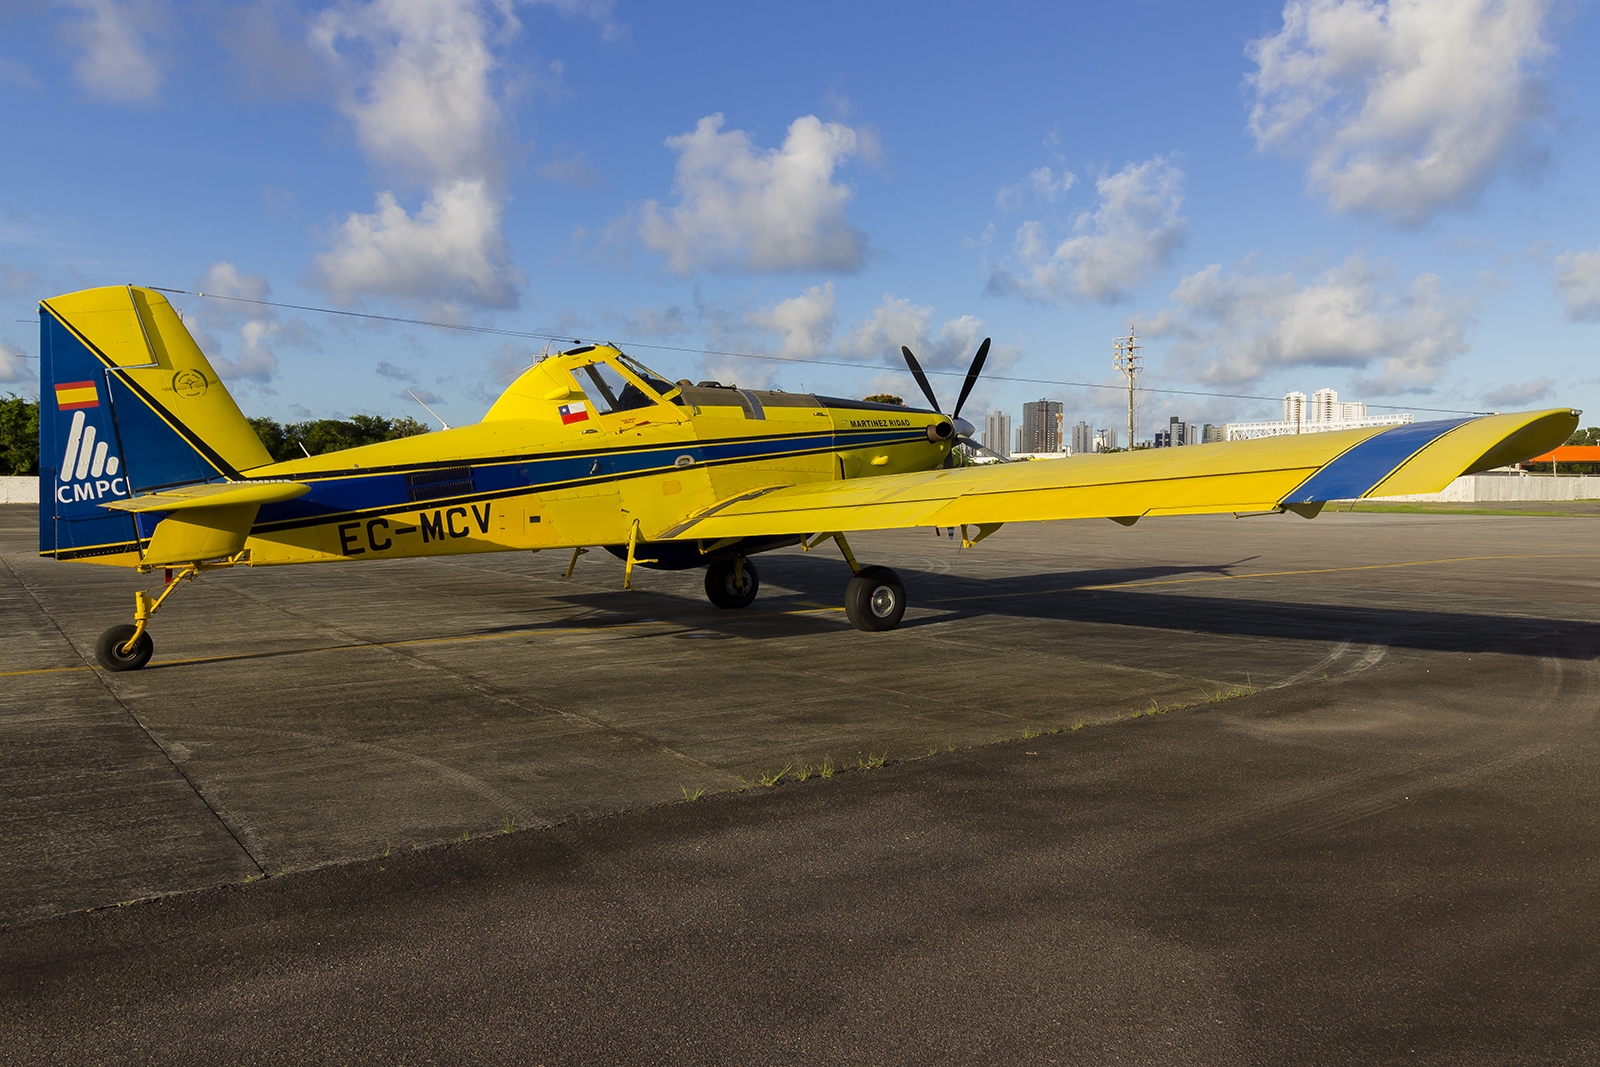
1276	791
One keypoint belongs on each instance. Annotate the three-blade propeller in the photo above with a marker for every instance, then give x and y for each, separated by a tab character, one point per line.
963	428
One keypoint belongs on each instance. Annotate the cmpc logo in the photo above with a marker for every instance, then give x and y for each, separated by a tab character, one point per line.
88	469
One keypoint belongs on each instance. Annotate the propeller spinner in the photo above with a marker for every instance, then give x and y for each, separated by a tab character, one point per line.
964	429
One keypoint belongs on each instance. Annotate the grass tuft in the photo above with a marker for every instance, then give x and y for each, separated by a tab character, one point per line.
696	794
869	762
770	779
508	825
826	770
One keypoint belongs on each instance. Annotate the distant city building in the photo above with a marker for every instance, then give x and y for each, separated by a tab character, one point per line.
1105	439
1082	439
997	432
1177	433
1211	433
1041	427
1323	412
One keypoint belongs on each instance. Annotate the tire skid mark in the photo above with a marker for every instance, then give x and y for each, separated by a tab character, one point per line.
1419	777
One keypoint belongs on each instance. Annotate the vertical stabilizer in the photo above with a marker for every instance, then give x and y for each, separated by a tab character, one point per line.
128	404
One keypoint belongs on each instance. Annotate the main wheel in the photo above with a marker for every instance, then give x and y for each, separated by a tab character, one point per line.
725	591
875	599
108	650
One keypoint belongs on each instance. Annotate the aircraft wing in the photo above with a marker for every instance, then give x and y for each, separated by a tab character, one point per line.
1297	472
212	495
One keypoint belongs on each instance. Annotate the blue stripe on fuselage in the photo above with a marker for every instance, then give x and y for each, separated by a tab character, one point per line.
335	497
1359	470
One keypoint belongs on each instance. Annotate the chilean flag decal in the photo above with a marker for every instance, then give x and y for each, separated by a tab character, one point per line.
573	412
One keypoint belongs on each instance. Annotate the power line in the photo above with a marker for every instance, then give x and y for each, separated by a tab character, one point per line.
534	335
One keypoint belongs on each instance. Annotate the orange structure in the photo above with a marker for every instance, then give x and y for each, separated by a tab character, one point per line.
1570	454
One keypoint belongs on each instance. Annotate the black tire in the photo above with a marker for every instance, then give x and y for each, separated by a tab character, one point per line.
108	650
722	589
875	599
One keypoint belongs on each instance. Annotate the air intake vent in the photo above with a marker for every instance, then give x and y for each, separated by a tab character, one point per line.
431	485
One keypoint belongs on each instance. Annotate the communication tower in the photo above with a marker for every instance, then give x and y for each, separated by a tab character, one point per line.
1126	360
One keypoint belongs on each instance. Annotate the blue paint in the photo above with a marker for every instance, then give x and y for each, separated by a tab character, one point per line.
1359	470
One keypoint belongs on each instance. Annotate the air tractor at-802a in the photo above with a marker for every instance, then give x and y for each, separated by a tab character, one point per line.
146	462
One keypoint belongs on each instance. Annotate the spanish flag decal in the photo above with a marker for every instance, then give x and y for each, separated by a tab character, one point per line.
71	396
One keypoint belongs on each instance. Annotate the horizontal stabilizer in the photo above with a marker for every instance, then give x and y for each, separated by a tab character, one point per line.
212	495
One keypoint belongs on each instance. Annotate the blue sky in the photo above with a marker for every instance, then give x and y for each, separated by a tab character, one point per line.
1396	200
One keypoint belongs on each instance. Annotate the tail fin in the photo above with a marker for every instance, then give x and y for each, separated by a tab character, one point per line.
129	404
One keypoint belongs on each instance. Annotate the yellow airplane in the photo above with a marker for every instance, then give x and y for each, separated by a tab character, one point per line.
147	462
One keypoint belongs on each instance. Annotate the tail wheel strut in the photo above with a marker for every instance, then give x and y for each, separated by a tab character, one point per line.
128	648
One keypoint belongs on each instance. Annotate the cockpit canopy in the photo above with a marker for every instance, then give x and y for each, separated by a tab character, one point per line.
611	391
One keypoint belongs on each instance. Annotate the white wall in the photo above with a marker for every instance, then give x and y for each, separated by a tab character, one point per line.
1487	488
19	490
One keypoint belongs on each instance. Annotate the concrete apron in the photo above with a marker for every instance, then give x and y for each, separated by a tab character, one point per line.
300	717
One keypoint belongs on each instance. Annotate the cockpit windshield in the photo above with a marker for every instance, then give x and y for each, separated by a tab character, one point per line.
609	391
651	378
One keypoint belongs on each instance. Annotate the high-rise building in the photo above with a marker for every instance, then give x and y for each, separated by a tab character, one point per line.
997	432
1083	439
1177	433
1105	439
1211	433
1041	427
1294	407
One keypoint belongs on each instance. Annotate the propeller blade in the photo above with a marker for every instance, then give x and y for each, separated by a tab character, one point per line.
972	376
970	443
922	379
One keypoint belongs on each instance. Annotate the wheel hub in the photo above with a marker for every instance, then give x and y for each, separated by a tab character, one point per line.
882	601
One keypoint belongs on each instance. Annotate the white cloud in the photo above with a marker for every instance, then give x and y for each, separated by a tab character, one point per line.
15	367
805	321
394	373
450	250
1130	235
418	82
1042	182
420	91
1400	108
576	171
1516	396
1231	329
253	325
117	61
897	321
742	208
1578	282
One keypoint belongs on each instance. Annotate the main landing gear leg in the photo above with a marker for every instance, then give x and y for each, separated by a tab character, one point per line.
875	599
128	648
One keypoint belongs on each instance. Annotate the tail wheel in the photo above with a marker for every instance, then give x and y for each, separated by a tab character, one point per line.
728	586
109	650
875	599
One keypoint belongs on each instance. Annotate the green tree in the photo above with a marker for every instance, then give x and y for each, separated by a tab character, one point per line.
19	436
320	436
884	398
